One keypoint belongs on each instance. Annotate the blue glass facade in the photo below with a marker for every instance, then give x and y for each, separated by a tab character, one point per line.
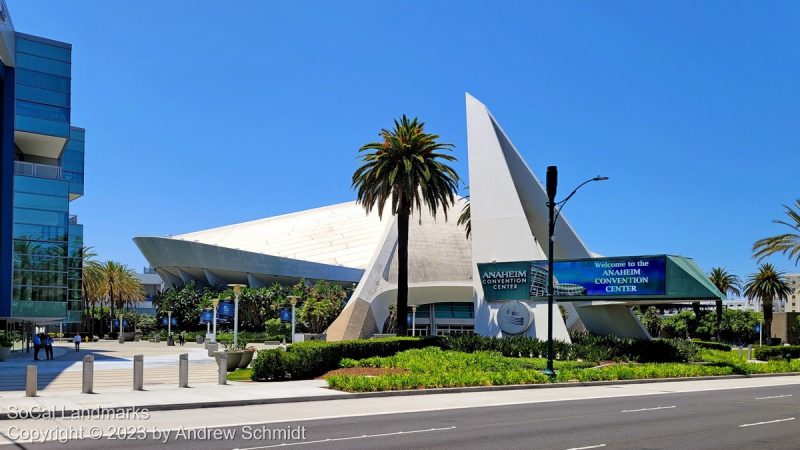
42	172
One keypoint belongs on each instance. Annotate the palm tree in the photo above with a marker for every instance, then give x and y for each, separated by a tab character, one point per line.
121	287
408	166
767	285
787	243
727	283
465	218
89	282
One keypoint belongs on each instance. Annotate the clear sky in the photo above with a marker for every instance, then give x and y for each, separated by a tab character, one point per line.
201	113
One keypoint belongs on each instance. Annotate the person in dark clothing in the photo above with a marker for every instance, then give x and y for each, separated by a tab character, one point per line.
37	345
48	346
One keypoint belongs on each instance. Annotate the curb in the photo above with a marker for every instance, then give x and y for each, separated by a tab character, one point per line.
359	395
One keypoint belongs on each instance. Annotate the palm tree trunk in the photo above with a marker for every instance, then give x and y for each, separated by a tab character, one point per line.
402	269
719	320
766	306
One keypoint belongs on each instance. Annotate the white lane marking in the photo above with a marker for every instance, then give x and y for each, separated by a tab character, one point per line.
773	396
764	423
586	448
648	409
363	436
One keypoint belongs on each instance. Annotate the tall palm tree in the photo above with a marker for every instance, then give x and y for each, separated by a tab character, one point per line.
767	285
121	287
409	167
787	243
89	283
727	283
465	218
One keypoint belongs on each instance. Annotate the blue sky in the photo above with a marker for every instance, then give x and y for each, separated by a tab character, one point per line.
201	113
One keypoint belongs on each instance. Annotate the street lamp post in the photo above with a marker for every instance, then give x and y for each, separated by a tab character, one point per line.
293	300
413	320
214	302
169	324
237	288
553	214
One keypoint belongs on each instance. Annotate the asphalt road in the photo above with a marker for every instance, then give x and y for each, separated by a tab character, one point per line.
762	418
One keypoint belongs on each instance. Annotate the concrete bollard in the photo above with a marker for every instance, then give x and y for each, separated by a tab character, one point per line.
740	351
749	352
121	339
183	370
30	381
222	374
88	375
138	372
212	348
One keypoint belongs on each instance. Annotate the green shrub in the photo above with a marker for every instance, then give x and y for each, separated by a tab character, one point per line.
584	346
712	345
768	353
306	360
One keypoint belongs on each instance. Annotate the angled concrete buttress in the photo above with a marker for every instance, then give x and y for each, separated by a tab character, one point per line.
509	223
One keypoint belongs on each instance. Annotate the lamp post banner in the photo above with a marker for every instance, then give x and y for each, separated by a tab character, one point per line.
625	277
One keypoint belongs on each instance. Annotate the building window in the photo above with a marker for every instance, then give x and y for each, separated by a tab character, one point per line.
442	330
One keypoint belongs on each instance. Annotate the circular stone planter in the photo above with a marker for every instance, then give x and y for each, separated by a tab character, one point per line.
234	358
247	358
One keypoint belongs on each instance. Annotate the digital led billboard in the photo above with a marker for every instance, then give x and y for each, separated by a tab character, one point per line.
619	277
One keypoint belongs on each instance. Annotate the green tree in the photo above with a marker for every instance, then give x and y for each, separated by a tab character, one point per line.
767	285
408	167
325	302
652	321
786	243
727	283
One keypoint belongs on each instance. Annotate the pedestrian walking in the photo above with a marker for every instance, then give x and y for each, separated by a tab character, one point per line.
181	338
37	345
77	340
48	346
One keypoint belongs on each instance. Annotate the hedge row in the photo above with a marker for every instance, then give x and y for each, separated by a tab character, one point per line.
584	346
712	345
777	352
306	360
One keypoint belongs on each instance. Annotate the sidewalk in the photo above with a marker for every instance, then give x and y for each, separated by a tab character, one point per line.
170	397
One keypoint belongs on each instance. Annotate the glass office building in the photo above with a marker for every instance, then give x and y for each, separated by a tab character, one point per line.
42	173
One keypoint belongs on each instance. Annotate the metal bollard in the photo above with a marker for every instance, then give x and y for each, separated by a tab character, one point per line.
30	381
183	370
223	368
749	352
138	372
88	375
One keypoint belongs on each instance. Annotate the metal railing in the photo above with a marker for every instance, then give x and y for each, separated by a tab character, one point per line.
38	170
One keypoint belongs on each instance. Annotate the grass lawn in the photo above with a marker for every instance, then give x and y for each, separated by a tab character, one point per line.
432	367
240	375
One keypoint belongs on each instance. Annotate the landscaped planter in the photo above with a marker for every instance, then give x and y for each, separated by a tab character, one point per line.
4	351
234	358
247	358
199	339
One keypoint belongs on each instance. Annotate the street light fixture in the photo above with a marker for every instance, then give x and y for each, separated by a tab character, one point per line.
169	324
553	215
413	320
237	288
293	300
215	302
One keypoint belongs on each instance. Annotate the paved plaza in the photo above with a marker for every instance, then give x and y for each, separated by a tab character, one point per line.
113	367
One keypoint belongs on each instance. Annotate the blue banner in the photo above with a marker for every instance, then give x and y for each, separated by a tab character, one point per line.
116	323
206	316
124	322
225	309
286	315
